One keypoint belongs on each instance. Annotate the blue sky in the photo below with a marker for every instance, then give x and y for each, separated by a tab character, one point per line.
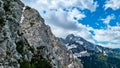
98	21
93	19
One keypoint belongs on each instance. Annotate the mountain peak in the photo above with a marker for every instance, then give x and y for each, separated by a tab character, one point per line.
70	36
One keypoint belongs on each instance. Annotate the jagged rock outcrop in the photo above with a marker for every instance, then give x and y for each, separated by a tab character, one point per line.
25	40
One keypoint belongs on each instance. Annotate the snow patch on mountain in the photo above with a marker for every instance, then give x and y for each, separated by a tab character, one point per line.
71	46
82	54
99	49
80	42
22	17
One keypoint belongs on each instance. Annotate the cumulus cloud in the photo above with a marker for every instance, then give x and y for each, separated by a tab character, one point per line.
82	4
111	45
63	19
114	4
61	4
108	35
108	19
75	14
111	36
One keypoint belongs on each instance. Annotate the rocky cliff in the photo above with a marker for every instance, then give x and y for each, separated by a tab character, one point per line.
26	42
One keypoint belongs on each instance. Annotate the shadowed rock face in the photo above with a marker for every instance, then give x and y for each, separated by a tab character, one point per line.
24	38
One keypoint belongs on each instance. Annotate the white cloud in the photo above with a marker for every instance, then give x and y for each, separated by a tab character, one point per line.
108	19
111	45
111	35
62	19
87	4
114	4
57	4
75	13
106	35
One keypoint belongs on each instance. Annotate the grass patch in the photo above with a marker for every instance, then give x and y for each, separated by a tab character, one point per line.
40	62
37	62
6	6
20	47
26	64
1	22
27	8
31	24
102	57
31	49
42	47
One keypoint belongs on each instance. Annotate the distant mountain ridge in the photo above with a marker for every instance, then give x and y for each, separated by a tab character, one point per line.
91	54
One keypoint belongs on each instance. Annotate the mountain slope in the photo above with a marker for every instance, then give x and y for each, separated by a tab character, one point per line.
26	42
91	55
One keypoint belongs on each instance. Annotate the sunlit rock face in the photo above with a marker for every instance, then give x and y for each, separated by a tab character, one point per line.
26	41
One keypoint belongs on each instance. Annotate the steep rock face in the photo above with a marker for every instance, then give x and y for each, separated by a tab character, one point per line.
25	39
10	14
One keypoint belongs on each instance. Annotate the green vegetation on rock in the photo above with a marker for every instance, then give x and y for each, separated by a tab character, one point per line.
27	8
1	21
36	62
6	8
25	64
41	62
20	47
31	24
102	57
